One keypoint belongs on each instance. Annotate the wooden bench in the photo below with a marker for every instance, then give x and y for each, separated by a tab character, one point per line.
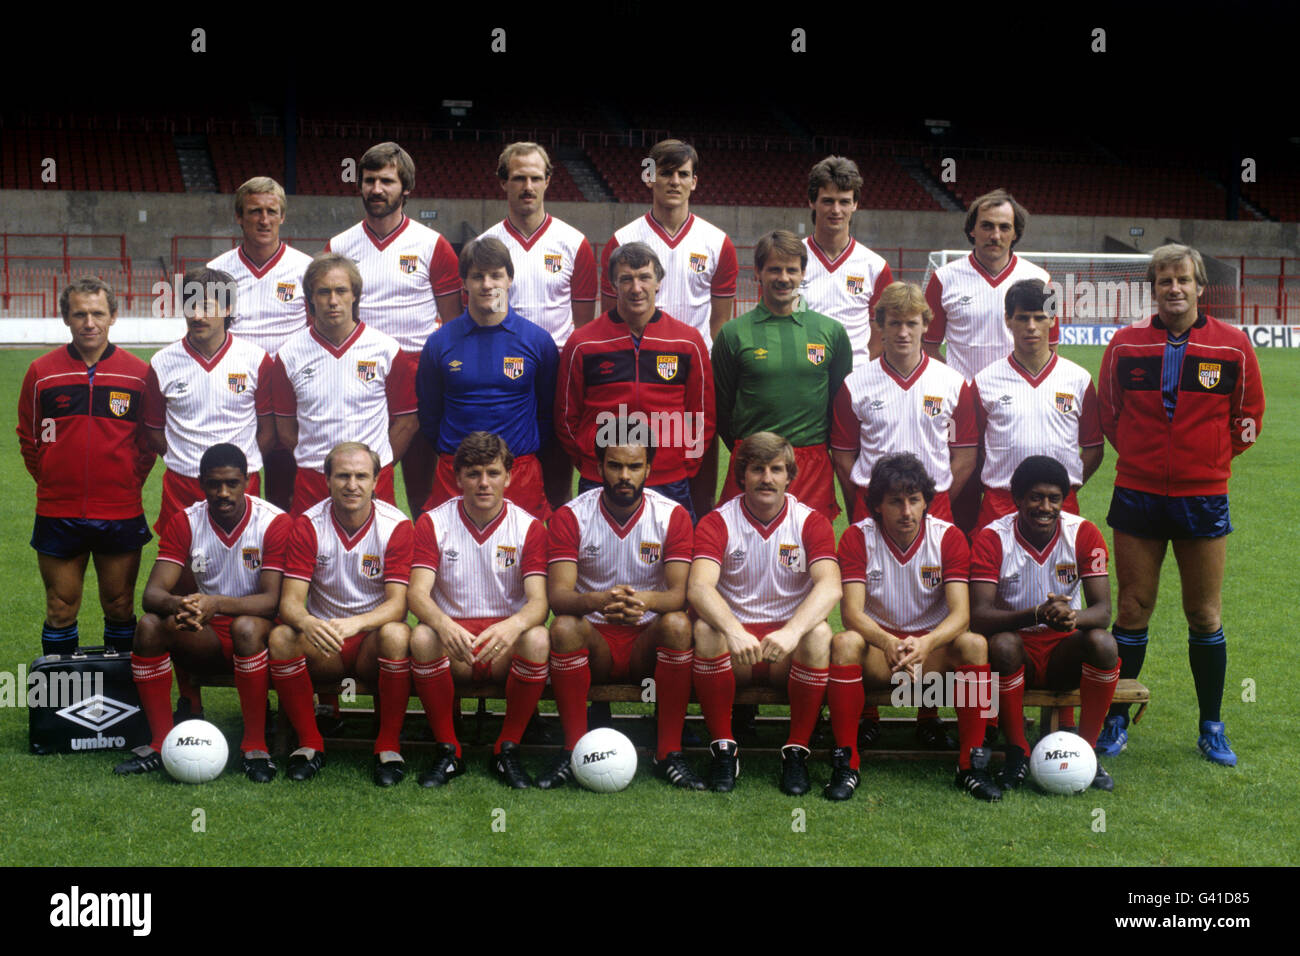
1126	692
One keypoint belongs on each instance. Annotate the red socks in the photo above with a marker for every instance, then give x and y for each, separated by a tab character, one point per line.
806	688
571	679
437	693
845	695
293	686
524	689
715	688
1096	690
252	681
970	725
1011	708
672	694
394	692
153	682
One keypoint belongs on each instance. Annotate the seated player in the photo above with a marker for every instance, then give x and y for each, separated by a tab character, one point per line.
478	586
907	609
234	545
763	581
343	609
1026	572
619	558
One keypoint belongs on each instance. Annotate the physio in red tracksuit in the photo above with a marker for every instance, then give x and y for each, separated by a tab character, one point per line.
1180	396
82	439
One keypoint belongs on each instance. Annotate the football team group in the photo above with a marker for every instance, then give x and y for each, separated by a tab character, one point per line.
958	436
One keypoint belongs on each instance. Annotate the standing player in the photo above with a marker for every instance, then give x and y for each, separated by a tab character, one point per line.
234	544
1034	403
343	608
907	610
411	281
490	370
206	389
555	273
778	367
340	379
1030	573
270	301
82	438
619	559
763	581
843	278
699	267
478	587
638	359
1180	398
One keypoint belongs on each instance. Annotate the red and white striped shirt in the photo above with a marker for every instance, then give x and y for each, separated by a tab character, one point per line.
699	263
348	571
969	311
1052	413
199	402
846	289
479	573
1025	576
554	267
228	564
765	573
269	301
341	393
608	553
877	412
905	593
401	277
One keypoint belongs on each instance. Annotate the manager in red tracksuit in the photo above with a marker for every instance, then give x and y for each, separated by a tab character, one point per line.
81	434
637	359
1180	397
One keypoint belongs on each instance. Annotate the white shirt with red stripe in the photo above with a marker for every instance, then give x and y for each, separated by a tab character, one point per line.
765	574
554	267
969	311
699	263
200	402
348	571
479	573
633	553
1052	413
227	563
269	301
879	412
341	393
401	277
846	288
1025	576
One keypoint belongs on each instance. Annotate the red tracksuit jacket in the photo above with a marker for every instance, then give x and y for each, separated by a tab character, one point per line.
83	440
1220	407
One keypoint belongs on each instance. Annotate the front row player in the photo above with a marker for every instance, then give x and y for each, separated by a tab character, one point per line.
619	559
478	586
763	581
1026	573
344	609
234	543
907	609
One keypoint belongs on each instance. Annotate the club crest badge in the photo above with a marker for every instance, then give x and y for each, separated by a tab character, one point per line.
513	366
1066	573
666	366
1209	373
649	553
931	575
816	354
371	566
409	264
367	371
552	262
237	382
252	558
855	284
119	403
932	405
699	262
284	291
789	555
507	556
1064	402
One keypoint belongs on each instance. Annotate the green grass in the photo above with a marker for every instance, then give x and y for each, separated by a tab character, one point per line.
64	810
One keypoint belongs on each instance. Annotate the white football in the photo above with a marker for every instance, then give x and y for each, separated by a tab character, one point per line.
1063	763
195	752
604	760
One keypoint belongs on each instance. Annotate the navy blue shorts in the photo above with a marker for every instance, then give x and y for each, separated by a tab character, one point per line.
1168	518
678	491
69	537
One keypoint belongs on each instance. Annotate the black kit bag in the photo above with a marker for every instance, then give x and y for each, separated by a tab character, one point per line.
83	701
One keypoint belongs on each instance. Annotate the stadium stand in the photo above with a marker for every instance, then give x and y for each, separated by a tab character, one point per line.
87	160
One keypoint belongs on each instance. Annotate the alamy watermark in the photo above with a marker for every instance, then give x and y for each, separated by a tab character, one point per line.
673	429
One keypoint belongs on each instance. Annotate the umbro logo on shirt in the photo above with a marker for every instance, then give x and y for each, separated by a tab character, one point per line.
309	371
876	405
591	549
451	554
182	388
1004	399
875	575
965	299
737	554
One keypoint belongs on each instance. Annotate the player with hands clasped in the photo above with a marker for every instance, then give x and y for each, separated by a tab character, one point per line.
763	581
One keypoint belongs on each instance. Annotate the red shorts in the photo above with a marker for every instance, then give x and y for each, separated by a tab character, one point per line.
998	503
220	625
526	488
310	487
940	506
813	483
1039	646
761	673
351	648
179	492
482	670
619	638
